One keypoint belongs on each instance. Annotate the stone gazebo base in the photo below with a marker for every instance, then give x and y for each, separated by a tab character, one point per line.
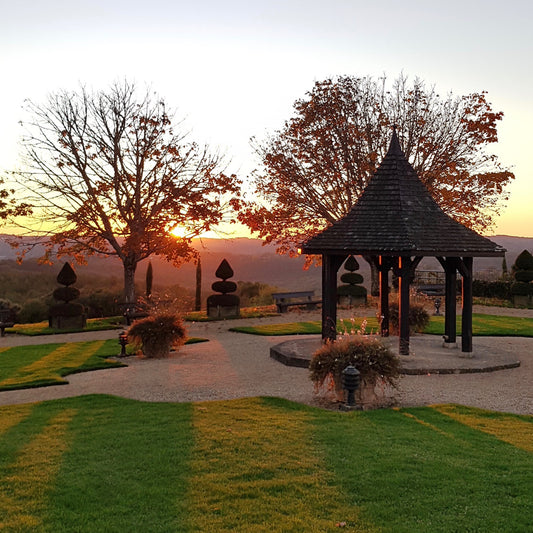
428	355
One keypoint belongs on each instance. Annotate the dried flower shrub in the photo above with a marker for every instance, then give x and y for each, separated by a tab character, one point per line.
368	354
157	334
418	318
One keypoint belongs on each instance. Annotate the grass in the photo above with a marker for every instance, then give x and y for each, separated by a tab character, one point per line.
488	325
482	325
31	366
93	324
99	463
312	327
245	312
23	367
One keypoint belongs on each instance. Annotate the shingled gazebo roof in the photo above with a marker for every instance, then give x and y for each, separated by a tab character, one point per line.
397	216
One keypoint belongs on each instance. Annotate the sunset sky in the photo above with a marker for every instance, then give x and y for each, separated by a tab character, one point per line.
234	68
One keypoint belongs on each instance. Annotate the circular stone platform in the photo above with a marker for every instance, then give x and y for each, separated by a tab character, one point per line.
428	356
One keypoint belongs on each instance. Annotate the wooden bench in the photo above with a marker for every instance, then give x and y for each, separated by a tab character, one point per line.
7	320
133	313
284	300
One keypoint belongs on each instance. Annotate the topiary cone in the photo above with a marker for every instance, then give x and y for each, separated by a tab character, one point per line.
67	276
224	271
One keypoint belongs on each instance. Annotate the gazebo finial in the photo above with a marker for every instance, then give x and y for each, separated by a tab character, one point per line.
394	147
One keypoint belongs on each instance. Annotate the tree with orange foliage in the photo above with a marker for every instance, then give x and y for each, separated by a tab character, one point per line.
9	205
108	175
318	164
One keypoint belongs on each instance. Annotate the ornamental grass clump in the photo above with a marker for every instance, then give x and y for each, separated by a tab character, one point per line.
418	318
375	361
157	334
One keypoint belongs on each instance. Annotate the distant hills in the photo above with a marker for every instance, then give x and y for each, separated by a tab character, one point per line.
250	260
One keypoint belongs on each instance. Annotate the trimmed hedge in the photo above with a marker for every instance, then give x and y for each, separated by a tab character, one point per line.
492	289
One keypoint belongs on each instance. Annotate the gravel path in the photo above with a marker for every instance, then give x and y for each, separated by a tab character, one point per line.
234	365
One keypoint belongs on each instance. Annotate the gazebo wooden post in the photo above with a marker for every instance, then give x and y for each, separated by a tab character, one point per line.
450	299
466	319
403	304
330	267
384	267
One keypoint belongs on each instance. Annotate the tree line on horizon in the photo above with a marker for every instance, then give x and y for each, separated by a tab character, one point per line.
112	172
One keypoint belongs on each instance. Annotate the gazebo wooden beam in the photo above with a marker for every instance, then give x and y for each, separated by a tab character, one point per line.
467	304
384	265
404	275
330	267
406	269
450	265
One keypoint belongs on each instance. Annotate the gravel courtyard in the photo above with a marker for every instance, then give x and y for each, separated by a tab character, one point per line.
234	365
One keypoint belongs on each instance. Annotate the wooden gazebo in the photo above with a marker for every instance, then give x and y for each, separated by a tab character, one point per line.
397	222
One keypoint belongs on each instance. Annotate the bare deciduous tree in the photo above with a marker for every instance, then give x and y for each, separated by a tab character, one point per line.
107	174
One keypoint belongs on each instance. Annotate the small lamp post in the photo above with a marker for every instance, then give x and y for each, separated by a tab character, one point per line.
437	306
123	341
351	378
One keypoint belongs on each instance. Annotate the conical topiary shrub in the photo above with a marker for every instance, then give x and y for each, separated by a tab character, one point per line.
522	289
351	292
67	314
224	304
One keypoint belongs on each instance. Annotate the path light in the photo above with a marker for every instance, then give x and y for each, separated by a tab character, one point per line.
123	340
351	378
437	305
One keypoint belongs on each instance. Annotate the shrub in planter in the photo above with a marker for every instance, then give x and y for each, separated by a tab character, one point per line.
418	318
520	288
375	362
157	334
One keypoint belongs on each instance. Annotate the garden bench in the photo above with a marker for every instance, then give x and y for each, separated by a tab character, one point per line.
284	300
7	320
134	313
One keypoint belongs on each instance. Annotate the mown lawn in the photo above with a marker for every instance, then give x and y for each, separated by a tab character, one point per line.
93	324
100	463
482	325
24	367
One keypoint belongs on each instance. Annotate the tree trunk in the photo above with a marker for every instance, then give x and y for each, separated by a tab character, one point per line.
372	260
130	266
198	299
149	280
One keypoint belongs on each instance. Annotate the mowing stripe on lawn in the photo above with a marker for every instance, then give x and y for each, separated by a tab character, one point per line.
125	470
69	355
24	489
254	468
428	424
10	416
511	429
